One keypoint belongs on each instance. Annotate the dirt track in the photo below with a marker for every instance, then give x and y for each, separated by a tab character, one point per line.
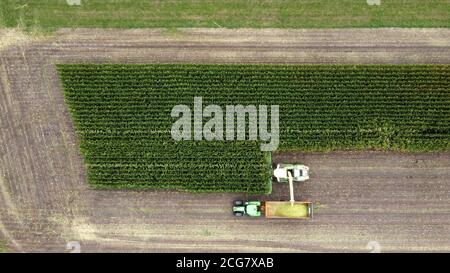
400	200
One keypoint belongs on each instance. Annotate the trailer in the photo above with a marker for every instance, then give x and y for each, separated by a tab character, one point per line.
287	209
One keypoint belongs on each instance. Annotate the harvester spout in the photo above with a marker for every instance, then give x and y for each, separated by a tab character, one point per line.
291	187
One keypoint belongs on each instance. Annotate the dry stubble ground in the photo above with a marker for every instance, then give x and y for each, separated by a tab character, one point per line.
400	200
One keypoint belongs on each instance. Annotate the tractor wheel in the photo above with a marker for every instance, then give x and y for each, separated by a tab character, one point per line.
238	203
238	214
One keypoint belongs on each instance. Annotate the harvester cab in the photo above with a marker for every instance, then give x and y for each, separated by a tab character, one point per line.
299	172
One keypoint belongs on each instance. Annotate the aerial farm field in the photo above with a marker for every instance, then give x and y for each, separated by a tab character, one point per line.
87	158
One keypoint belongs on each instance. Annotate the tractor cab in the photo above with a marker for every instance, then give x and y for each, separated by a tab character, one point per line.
250	208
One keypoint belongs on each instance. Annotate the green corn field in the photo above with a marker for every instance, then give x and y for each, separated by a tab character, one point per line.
122	115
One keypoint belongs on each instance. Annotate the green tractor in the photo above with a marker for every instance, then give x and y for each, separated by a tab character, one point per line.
250	208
